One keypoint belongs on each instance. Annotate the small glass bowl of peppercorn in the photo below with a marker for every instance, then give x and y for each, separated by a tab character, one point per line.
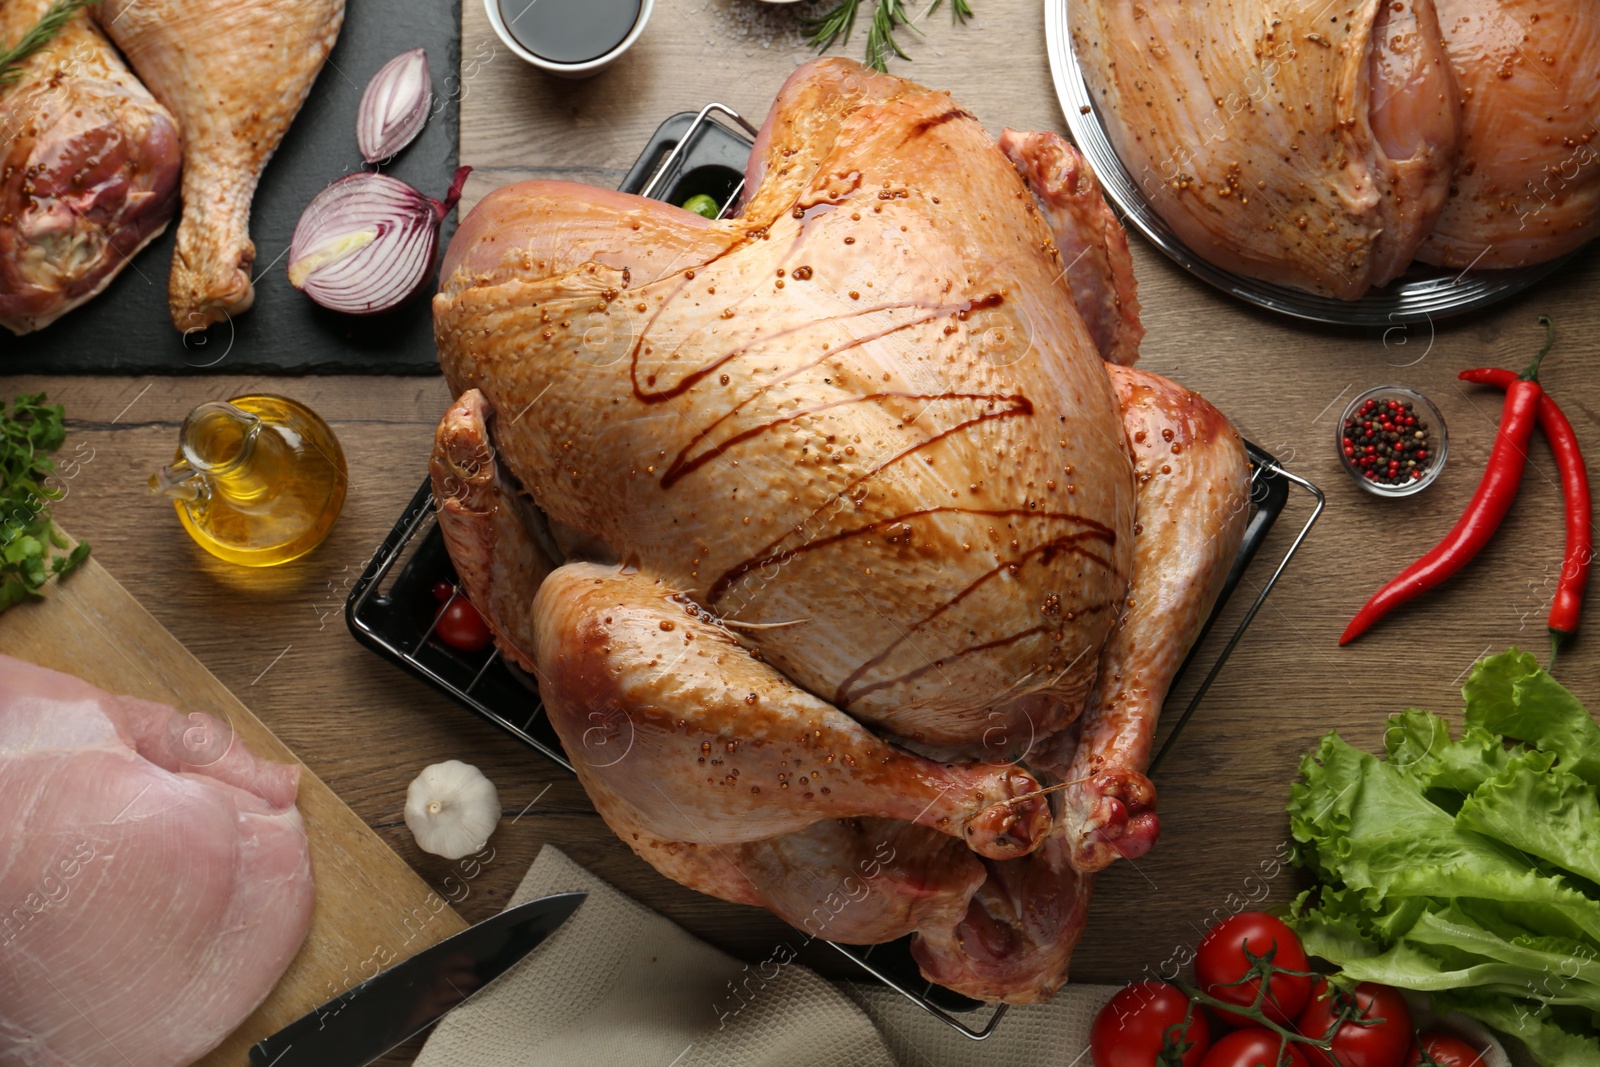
1392	441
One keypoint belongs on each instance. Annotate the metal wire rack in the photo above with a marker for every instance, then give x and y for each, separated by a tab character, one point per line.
392	608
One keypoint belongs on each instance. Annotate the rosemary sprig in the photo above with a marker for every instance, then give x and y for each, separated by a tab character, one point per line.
887	16
880	38
40	34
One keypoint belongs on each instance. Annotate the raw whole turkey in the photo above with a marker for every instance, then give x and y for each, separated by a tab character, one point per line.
1326	147
155	875
852	559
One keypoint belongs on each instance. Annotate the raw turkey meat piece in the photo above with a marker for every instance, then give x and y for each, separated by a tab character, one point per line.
155	875
88	170
1326	147
1527	185
235	73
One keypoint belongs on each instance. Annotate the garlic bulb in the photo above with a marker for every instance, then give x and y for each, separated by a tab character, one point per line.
452	809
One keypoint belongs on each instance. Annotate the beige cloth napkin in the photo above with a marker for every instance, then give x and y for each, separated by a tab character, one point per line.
620	985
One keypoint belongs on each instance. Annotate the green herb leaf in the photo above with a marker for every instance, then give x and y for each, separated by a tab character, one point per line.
70	562
29	431
960	10
887	17
40	34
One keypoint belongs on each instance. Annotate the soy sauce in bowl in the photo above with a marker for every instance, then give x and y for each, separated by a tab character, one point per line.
569	31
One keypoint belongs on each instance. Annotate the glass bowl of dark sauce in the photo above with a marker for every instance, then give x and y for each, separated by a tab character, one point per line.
568	38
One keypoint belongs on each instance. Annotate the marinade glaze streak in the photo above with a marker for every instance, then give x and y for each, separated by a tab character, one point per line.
684	464
806	206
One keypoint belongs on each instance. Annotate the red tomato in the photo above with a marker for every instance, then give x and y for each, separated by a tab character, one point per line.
1381	1044
1447	1051
460	626
1254	1047
1220	961
1134	1025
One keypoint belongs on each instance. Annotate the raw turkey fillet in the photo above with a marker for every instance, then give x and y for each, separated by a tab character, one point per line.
1326	146
155	874
851	573
235	73
88	170
1299	142
1527	187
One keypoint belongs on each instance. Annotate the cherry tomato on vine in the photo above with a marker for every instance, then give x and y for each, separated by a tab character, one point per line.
1220	962
1447	1051
1381	1041
1254	1047
460	625
1141	1020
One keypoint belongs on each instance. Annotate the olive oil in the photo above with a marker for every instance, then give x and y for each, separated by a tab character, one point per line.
569	31
257	480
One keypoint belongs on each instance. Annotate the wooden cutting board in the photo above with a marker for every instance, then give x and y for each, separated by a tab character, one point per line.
370	906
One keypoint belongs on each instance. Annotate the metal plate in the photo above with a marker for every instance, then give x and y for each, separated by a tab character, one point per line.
1423	293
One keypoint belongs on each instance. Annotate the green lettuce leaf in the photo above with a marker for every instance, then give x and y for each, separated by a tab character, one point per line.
1469	869
1406	966
1546	813
1356	921
1419	746
1552	1044
1549	969
1446	948
1508	694
1512	920
1367	825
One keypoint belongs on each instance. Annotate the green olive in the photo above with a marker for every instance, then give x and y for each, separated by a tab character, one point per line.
701	204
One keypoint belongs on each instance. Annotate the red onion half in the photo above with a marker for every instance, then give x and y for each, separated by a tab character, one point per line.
395	106
366	243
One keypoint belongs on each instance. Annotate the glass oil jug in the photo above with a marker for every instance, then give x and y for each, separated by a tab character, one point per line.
257	480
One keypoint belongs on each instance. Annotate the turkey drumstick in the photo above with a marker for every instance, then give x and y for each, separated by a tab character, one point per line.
1193	504
88	170
688	716
660	705
1016	938
235	73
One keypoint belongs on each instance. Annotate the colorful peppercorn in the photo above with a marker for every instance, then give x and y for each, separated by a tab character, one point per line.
1387	442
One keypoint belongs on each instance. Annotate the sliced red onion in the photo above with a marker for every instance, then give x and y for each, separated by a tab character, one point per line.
366	243
395	106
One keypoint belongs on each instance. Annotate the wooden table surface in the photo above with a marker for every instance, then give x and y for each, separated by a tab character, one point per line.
278	640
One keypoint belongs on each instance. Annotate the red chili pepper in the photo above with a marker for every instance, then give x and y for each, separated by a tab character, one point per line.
1489	504
1568	604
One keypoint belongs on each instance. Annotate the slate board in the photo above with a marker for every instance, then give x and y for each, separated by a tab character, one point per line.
127	330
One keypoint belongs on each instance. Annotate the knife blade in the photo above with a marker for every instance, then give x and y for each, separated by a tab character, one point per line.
369	1019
